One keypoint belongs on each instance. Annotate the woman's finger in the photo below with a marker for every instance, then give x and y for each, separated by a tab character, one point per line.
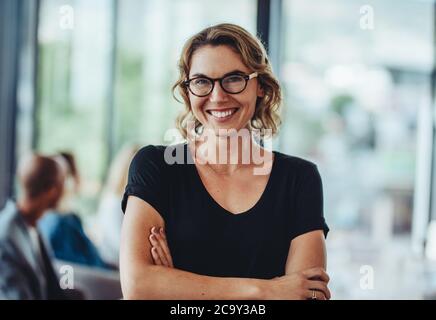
155	243
156	258
163	250
162	232
321	287
316	274
164	244
161	245
315	295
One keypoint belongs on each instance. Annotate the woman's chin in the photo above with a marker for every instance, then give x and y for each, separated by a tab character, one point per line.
224	131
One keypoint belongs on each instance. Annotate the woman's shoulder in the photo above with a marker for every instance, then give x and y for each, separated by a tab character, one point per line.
294	162
161	153
293	169
158	159
150	151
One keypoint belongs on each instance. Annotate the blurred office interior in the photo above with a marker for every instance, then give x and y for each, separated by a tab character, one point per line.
358	79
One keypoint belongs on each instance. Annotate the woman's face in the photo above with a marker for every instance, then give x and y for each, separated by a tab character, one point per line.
215	62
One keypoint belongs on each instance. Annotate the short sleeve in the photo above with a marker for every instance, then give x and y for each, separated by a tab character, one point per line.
146	179
308	214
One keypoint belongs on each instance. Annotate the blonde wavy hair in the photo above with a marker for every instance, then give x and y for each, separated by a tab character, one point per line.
253	55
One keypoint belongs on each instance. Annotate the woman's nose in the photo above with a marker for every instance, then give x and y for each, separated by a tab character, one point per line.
218	94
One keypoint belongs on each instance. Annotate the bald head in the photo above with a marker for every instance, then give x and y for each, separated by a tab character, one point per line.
38	175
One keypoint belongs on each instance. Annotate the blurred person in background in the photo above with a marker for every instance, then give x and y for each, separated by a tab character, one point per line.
110	215
26	271
62	227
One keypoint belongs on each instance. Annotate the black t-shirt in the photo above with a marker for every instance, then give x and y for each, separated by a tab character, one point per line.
205	238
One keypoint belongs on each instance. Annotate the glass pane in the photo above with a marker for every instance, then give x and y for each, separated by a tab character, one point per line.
353	94
74	42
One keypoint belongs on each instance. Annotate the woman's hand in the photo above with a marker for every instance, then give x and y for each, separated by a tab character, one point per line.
303	285
160	251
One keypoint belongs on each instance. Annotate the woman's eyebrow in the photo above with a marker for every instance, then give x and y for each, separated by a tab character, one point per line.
198	75
236	71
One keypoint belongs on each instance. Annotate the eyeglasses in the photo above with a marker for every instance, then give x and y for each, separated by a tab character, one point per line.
233	83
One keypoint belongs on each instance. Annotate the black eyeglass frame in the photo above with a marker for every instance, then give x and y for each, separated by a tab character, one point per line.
220	80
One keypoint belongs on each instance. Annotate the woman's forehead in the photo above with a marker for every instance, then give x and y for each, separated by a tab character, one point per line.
216	61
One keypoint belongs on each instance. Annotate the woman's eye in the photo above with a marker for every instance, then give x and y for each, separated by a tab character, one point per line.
233	79
201	82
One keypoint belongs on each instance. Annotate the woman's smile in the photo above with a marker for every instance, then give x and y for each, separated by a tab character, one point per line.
222	115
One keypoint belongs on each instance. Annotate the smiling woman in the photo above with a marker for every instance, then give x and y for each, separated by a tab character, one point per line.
207	229
246	59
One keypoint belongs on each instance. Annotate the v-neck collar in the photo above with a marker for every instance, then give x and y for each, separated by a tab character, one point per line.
247	212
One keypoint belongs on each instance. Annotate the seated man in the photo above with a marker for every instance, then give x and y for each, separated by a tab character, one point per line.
26	271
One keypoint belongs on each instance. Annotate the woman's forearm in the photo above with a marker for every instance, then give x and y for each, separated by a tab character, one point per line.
141	278
158	282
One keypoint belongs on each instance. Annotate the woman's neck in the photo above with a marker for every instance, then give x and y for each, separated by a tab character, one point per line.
227	154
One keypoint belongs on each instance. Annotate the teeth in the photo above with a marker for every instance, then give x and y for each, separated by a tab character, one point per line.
220	114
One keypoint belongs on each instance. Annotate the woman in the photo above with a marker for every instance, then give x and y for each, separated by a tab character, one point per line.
223	229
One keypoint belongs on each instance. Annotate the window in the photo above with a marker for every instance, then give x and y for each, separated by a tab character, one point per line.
352	100
354	97
73	77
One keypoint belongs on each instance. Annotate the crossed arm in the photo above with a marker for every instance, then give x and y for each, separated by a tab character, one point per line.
148	273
